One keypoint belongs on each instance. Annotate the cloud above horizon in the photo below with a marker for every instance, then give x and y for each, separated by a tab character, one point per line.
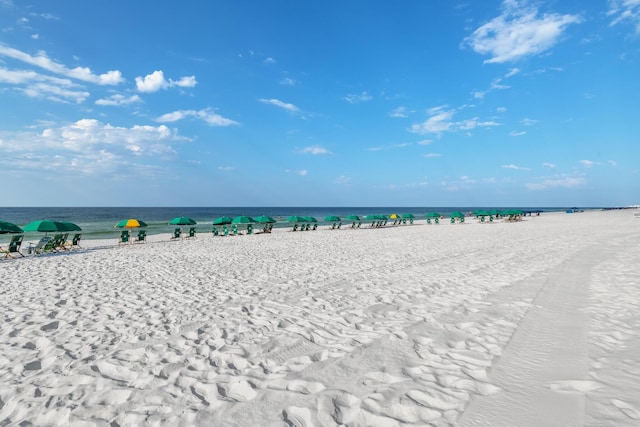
113	77
519	31
440	121
625	11
206	115
155	81
286	106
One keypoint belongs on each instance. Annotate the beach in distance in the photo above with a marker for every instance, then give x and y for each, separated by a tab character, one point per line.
505	323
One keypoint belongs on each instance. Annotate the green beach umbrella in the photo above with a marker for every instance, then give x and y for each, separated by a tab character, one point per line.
9	227
373	217
408	216
46	226
333	218
352	217
131	223
264	219
182	220
222	220
433	215
49	226
310	219
457	215
71	226
243	219
296	218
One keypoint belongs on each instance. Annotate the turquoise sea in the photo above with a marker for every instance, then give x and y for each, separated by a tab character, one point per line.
99	222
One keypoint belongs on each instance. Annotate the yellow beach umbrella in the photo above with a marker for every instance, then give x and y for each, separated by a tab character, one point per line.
394	216
130	223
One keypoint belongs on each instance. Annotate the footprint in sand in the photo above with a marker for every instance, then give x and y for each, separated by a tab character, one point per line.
240	390
626	409
296	416
580	386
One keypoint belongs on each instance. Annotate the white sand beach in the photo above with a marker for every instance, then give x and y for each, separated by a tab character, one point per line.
534	323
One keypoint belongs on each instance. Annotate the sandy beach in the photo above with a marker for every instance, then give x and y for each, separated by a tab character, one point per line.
532	323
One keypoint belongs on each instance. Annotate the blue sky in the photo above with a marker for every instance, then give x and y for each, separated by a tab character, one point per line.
334	103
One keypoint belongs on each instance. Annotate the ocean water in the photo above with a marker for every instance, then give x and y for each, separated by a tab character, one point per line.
99	222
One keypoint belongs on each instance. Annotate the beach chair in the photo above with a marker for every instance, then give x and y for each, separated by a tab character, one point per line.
142	236
295	227
225	230
192	233
249	229
45	245
315	226
270	227
176	234
14	246
75	241
124	237
359	224
61	243
339	225
234	229
215	231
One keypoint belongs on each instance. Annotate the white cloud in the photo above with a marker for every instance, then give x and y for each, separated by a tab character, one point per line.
155	81
342	180
187	81
515	167
289	107
554	182
518	32
302	172
151	82
528	122
226	168
41	60
117	99
54	93
205	115
549	165
355	98
270	60
512	72
587	163
501	109
399	112
514	133
432	155
315	150
425	142
36	85
441	121
612	163
35	36
288	81
625	11
90	147
479	94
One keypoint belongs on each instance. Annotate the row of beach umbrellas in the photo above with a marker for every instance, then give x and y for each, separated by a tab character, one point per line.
41	226
50	226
